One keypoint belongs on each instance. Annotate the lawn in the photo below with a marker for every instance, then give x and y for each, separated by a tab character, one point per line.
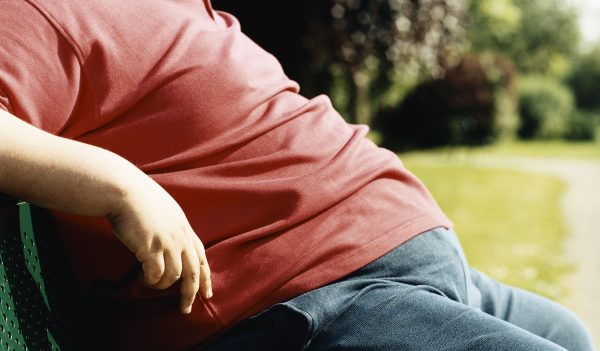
589	150
560	149
509	222
535	148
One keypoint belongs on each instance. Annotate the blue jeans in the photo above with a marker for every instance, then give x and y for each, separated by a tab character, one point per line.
420	296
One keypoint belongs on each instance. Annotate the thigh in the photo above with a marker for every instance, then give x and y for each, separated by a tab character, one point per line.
418	318
532	312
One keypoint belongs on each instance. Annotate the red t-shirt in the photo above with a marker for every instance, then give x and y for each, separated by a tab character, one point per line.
285	195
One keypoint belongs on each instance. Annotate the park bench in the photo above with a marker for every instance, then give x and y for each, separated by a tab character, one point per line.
40	305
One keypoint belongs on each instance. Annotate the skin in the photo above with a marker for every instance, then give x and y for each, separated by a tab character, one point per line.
78	178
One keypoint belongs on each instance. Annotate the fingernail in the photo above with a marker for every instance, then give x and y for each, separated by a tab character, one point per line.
188	310
210	294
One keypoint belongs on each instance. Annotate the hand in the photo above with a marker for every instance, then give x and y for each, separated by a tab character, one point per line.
143	215
152	225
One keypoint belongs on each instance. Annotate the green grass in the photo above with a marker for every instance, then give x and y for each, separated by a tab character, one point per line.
561	149
509	222
544	149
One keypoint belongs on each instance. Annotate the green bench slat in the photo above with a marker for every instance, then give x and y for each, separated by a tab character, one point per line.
40	306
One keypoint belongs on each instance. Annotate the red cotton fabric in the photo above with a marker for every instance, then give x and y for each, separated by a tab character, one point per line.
285	195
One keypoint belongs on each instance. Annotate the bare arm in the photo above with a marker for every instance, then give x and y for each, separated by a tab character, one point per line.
59	173
78	178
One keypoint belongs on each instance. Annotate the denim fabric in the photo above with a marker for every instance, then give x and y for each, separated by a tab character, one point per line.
420	296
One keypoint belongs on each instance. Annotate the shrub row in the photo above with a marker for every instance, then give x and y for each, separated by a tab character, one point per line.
475	103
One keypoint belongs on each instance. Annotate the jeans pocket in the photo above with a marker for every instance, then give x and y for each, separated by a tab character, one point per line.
280	327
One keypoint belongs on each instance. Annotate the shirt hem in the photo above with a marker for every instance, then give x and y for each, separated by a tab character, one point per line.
366	254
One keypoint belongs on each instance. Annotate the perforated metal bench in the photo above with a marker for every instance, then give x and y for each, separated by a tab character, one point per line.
40	306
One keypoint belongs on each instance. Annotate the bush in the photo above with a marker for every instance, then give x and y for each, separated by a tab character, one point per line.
545	107
584	80
581	126
457	109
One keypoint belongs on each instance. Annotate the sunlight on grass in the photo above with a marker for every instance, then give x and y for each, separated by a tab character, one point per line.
509	222
544	149
560	149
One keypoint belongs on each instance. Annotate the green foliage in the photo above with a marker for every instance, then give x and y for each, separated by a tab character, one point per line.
581	126
460	108
545	107
384	46
501	74
371	54
584	80
540	36
505	115
363	53
494	23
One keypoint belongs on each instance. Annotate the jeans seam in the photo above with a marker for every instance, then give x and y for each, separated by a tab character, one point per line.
464	264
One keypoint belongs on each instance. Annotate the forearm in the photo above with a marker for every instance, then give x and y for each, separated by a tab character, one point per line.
74	177
59	173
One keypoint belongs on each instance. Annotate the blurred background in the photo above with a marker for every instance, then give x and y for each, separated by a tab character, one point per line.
492	103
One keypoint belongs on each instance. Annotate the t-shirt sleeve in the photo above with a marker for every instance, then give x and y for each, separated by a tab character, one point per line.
39	70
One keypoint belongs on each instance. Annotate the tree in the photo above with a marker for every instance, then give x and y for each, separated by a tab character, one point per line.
360	52
494	24
380	48
540	36
584	80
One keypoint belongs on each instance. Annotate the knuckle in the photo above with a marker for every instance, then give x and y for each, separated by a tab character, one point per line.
158	244
194	275
198	242
194	285
154	271
205	273
205	277
141	255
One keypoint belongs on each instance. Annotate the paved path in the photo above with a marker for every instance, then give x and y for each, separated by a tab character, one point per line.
581	205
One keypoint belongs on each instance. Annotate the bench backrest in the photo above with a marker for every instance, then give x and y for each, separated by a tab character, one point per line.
40	306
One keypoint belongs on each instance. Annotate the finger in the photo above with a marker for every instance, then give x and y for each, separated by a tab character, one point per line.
153	267
172	270
190	279
205	282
